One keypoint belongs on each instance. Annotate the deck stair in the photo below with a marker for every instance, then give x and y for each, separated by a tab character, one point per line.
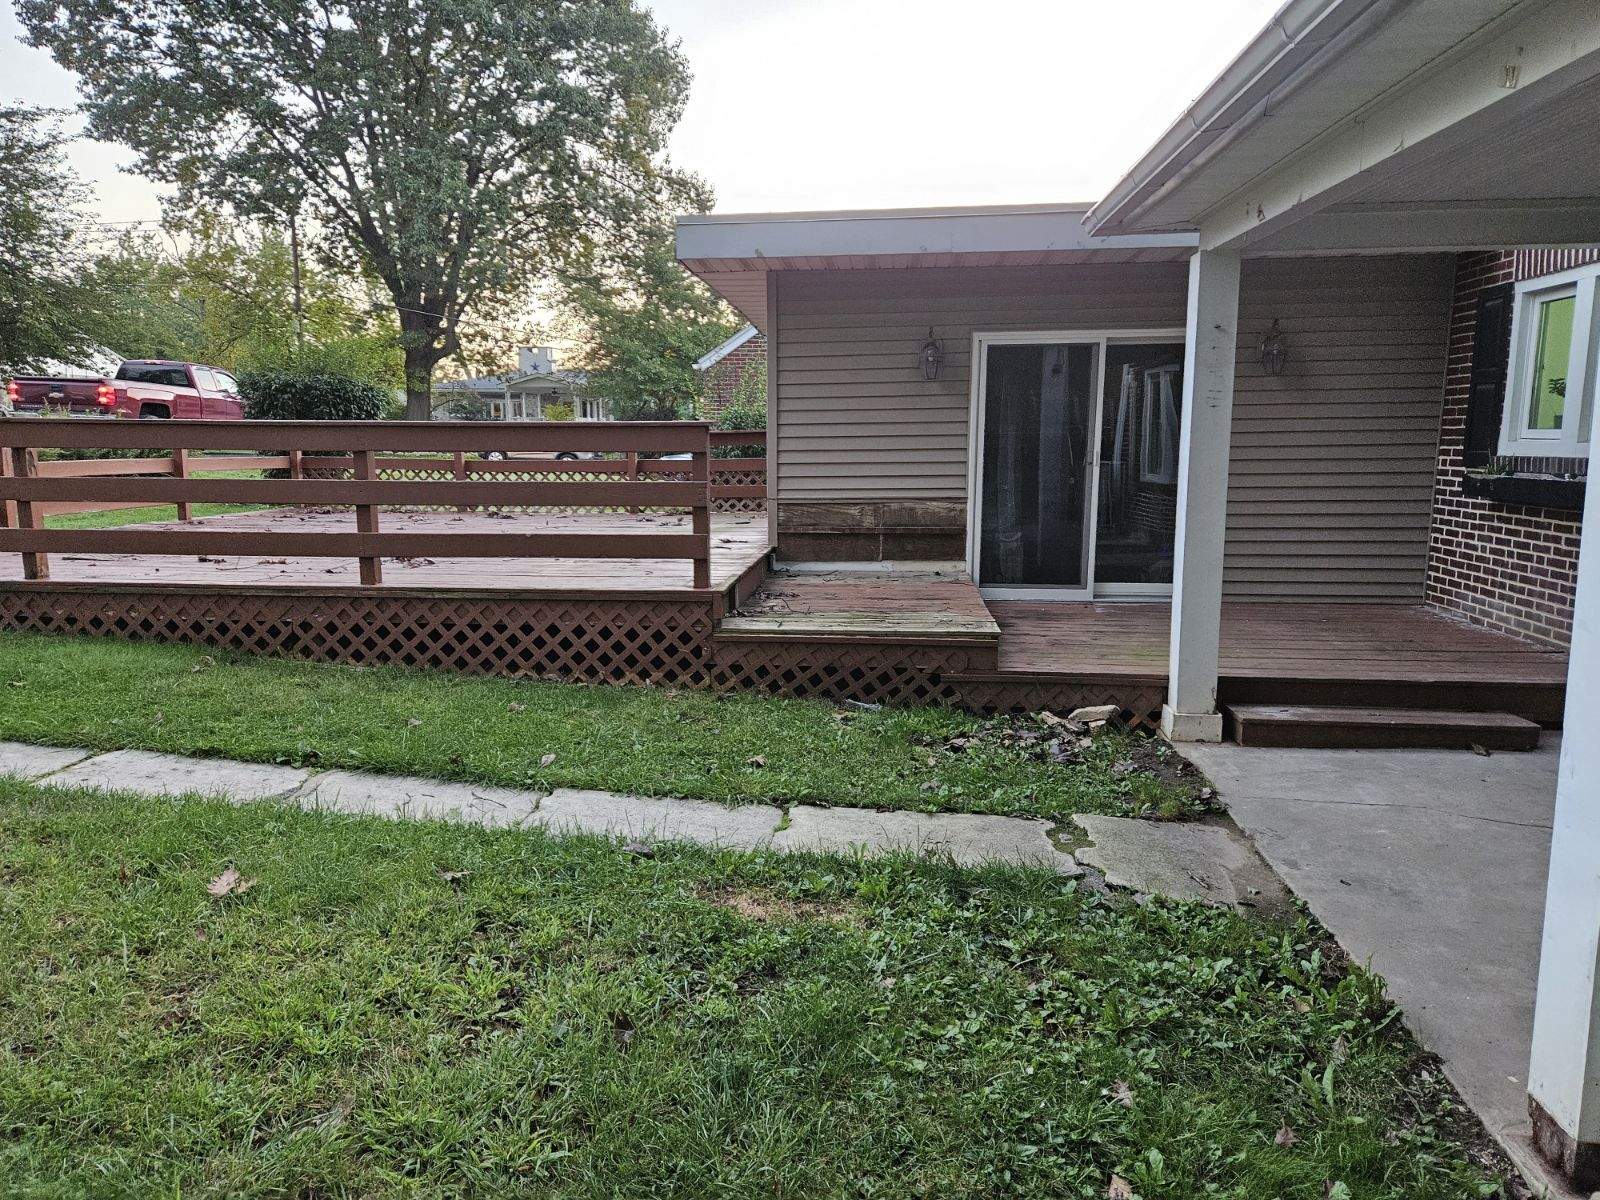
1327	727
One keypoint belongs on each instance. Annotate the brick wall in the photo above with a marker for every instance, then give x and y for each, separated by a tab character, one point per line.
722	379
1507	567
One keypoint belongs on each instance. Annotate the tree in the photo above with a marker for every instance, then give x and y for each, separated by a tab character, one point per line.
47	308
644	321
456	149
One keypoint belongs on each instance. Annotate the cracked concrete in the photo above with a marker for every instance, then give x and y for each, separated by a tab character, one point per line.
967	839
1209	862
1430	865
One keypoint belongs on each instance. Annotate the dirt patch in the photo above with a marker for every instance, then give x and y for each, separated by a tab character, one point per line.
757	905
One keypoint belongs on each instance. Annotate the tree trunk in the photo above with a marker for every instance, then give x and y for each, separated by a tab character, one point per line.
419	339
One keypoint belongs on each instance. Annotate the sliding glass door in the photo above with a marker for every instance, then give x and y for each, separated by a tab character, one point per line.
1075	472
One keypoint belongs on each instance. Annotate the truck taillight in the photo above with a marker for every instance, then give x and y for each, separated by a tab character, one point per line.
105	394
13	390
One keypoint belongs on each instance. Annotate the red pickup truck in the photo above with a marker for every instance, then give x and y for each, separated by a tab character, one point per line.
142	389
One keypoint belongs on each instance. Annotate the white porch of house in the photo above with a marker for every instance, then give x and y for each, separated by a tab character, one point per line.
1351	128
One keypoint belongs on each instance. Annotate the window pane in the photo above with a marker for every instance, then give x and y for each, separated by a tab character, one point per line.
1552	347
1138	461
1037	401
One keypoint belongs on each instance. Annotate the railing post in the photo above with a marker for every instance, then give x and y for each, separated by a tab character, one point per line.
180	470
297	469
367	518
461	475
8	508
632	474
25	465
700	472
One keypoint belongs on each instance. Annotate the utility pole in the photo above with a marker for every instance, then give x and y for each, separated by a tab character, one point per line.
299	294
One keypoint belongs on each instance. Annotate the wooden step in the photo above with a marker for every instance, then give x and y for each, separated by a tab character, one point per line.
1326	727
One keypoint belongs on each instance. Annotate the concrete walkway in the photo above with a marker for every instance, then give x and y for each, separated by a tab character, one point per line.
1430	866
968	839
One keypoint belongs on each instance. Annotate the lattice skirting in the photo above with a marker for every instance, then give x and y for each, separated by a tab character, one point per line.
875	673
588	639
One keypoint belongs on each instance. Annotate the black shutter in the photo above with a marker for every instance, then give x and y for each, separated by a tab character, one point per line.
1486	386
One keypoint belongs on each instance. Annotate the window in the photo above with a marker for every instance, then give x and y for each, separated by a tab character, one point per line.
225	382
203	380
1550	385
1158	425
156	374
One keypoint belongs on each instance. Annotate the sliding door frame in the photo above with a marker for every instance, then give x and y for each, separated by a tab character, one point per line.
1101	339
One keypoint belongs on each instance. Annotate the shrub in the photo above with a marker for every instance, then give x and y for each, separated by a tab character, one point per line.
278	395
746	410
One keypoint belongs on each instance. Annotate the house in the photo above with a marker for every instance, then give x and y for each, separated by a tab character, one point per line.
523	394
1357	283
738	361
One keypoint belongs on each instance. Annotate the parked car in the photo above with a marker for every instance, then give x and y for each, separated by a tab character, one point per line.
142	389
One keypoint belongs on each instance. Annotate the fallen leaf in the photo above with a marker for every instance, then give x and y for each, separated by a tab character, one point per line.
413	721
230	883
1341	1049
454	876
546	760
640	849
211	559
1120	1189
200	935
1122	1093
515	707
1335	1189
1479	750
1285	1137
19	683
756	760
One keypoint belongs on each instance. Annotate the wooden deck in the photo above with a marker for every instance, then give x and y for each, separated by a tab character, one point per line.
738	542
1059	654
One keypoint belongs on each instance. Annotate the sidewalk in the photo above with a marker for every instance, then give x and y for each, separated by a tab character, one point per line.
968	839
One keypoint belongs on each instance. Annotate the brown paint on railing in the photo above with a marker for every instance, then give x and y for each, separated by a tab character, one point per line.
635	483
180	470
367	519
25	465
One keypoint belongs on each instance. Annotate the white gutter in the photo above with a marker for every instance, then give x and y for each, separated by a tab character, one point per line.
1297	43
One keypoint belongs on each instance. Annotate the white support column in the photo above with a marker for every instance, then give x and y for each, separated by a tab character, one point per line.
1190	713
1564	1073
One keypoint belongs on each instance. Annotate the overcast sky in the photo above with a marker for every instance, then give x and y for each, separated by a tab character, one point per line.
804	104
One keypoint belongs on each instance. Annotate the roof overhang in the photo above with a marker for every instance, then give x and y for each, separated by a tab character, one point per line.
735	252
1352	125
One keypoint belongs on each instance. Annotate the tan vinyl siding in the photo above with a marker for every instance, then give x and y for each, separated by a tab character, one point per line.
857	421
1332	471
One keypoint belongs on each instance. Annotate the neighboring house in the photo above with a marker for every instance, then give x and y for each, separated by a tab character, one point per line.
1364	264
725	368
523	394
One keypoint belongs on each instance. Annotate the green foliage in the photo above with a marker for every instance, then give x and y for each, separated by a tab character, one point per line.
556	410
644	322
452	149
406	1008
48	308
223	293
747	409
278	395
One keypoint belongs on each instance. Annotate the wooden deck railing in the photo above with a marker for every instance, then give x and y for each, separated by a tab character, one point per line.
640	480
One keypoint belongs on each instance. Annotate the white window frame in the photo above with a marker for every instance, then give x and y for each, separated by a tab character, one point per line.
1158	437
1103	339
1572	439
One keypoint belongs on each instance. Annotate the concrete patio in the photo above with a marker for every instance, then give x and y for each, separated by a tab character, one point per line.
1429	866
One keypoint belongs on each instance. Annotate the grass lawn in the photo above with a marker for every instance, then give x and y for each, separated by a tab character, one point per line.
111	518
415	1010
109	694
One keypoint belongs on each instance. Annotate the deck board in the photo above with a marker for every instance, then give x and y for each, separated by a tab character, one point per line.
1401	642
884	604
738	541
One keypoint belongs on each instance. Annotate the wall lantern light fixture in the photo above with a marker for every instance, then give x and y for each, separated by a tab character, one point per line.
931	356
1273	352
